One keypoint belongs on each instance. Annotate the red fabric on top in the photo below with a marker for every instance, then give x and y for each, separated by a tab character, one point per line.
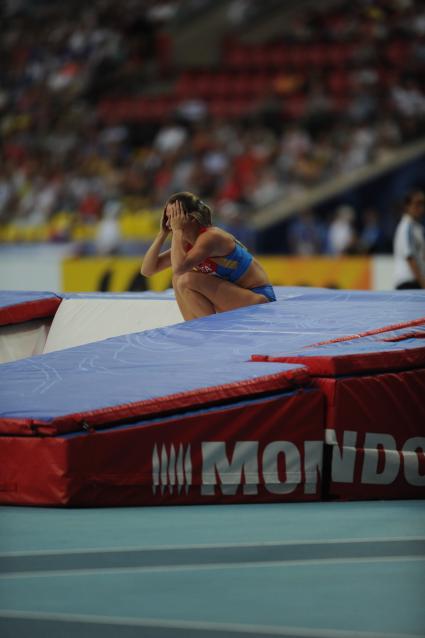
374	331
336	365
407	335
26	311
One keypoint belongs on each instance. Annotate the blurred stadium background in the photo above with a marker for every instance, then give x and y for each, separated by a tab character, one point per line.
301	123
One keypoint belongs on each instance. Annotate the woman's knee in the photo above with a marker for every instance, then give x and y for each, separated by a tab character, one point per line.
184	281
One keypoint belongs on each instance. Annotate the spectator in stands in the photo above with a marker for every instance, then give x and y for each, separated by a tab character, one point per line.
409	244
388	138
342	238
408	98
355	152
371	238
267	187
238	11
6	193
305	236
108	236
170	137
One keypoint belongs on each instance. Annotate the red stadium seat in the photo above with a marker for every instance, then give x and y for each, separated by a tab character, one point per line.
235	56
316	55
298	55
294	107
340	103
258	57
339	54
397	52
338	82
279	56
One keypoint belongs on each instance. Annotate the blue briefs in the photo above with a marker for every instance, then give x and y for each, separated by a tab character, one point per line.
266	291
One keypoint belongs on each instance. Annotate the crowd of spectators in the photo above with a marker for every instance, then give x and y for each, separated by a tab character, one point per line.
58	154
308	234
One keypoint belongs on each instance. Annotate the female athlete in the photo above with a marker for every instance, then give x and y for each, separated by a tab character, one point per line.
212	271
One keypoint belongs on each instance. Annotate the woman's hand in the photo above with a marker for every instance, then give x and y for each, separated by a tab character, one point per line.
176	216
164	227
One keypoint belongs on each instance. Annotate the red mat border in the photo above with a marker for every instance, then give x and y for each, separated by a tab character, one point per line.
78	421
28	310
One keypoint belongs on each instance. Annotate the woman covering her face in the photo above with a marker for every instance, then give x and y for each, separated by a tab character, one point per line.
212	271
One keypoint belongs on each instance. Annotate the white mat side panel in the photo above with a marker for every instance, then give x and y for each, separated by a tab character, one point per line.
80	321
21	340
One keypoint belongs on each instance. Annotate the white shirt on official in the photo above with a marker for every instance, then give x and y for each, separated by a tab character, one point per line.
409	241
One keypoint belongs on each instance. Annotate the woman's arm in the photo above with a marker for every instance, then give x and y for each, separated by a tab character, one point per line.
154	261
206	245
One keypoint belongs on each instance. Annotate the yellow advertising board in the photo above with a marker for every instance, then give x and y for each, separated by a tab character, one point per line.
109	274
120	274
354	273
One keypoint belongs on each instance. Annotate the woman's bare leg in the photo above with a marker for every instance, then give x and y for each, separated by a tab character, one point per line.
201	295
191	303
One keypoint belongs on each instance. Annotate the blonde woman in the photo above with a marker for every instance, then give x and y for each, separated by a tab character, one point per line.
212	271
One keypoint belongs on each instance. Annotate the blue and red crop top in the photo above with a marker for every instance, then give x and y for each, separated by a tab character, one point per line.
230	267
